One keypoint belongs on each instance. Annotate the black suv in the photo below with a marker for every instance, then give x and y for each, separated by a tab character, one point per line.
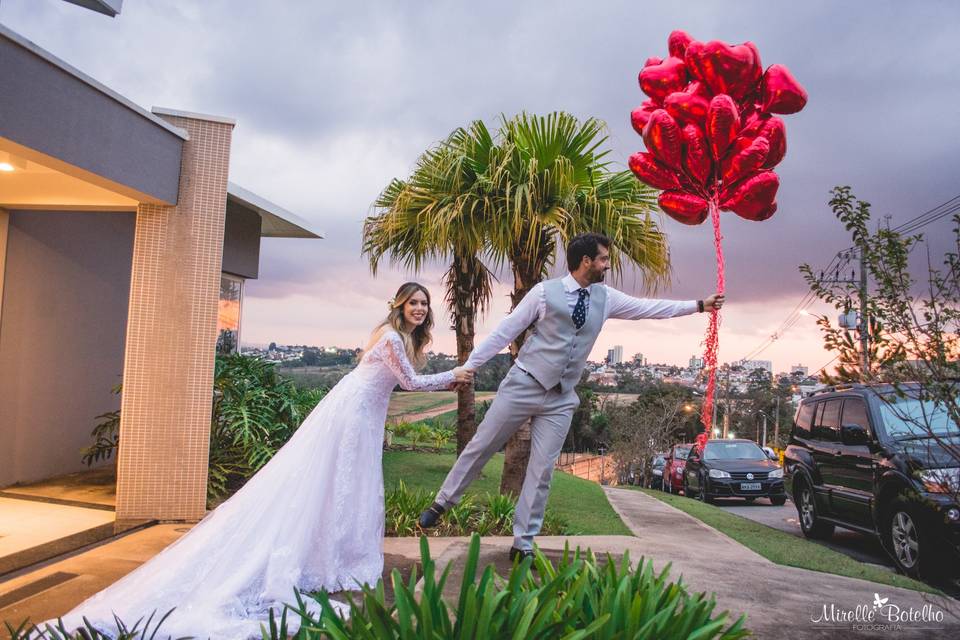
883	463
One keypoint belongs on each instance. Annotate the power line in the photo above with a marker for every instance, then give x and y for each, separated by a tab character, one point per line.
942	210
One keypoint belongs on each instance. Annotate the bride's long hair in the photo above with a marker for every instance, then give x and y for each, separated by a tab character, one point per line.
415	342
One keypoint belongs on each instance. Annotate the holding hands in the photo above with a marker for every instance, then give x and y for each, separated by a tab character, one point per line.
462	377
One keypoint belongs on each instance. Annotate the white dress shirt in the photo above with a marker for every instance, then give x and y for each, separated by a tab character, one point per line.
534	306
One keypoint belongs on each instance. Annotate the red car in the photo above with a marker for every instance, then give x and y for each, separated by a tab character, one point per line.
674	466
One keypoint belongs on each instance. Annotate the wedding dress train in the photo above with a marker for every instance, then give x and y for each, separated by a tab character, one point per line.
311	518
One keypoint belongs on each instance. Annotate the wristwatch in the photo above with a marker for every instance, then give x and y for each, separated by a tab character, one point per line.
700	306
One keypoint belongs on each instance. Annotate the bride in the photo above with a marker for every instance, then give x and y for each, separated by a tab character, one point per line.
311	518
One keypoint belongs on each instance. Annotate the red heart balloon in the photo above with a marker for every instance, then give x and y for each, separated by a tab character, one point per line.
780	91
775	131
660	80
696	155
724	68
723	124
687	106
753	196
652	60
663	139
648	170
769	127
684	207
746	161
677	43
763	214
640	115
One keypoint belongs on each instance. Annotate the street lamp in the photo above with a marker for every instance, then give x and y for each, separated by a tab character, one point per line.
764	443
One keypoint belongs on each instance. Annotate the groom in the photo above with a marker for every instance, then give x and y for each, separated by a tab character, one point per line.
566	315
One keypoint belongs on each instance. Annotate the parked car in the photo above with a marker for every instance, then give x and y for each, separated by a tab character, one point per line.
733	468
868	459
656	471
673	467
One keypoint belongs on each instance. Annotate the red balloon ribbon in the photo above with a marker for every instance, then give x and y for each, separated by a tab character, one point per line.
712	340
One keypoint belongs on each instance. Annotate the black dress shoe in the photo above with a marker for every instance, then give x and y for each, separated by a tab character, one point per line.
430	517
519	555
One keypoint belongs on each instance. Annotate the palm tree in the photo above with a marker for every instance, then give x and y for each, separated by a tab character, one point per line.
552	184
441	212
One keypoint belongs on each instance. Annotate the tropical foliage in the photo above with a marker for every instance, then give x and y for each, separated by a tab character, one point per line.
255	411
579	597
486	515
514	197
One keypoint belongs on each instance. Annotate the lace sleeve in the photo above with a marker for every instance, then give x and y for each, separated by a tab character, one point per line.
395	357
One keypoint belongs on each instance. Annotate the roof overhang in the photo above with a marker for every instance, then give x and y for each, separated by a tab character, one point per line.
276	222
107	7
57	116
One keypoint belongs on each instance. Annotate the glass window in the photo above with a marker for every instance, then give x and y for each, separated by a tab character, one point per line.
829	421
912	417
733	451
804	420
228	315
681	453
855	412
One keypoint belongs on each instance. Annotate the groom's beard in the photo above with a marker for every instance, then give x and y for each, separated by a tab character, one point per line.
598	276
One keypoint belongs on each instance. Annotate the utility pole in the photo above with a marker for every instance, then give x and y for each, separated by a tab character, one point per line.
776	424
726	403
864	326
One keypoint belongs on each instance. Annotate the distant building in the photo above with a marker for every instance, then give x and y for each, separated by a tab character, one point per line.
696	364
615	355
750	365
799	370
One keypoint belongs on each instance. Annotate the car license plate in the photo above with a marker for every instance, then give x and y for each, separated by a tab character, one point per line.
750	486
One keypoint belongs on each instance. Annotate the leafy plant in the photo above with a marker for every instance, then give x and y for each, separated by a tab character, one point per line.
28	631
487	515
255	411
577	598
401	429
106	435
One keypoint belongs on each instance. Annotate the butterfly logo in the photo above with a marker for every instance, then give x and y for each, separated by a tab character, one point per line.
878	601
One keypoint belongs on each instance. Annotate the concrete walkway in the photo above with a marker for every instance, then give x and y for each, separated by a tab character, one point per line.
778	600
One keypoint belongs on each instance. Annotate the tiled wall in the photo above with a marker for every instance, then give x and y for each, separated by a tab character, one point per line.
171	336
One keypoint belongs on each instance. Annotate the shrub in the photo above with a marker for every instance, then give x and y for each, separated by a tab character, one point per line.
577	598
255	411
488	515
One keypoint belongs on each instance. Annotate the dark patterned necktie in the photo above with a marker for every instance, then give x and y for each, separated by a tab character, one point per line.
580	310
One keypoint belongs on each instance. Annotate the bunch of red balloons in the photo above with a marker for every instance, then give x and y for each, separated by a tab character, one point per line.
709	128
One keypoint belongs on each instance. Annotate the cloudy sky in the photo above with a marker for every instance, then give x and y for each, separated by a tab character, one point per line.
335	99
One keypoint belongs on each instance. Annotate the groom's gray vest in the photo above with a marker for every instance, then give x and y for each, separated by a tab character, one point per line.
556	351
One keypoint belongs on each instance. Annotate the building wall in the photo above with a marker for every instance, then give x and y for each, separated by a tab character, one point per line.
241	242
66	286
171	336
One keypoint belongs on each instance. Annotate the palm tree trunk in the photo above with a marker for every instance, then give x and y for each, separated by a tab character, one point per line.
526	274
464	280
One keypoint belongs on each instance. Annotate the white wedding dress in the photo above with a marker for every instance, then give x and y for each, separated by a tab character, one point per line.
311	518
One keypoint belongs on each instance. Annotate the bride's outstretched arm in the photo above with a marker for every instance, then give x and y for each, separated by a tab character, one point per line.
395	356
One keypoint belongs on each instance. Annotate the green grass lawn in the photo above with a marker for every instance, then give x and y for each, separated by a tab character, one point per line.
784	548
581	503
